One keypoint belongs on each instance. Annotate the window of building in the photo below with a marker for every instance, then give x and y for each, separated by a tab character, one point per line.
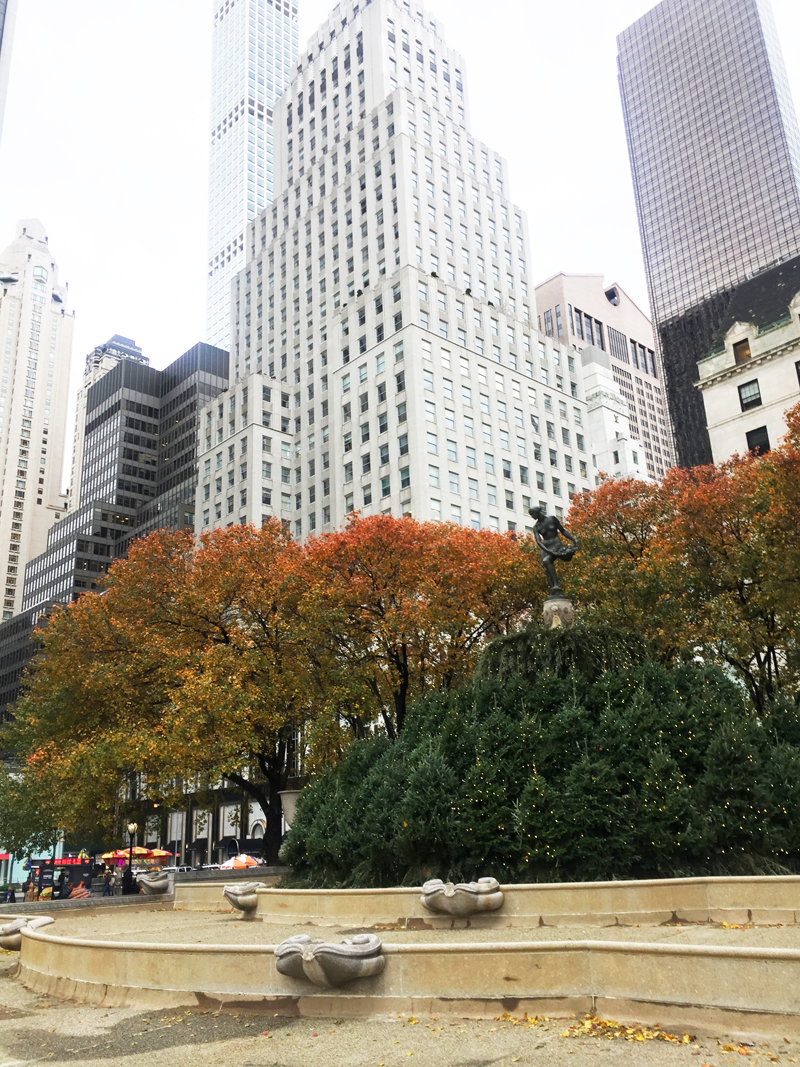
750	395
741	351
758	441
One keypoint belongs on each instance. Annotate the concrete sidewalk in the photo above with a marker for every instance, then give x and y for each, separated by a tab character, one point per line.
36	1030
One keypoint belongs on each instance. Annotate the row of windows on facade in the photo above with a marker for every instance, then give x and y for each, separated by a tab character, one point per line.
306	96
318	313
432	440
584	327
346	148
491	166
444	331
448	394
457	514
377	190
480	346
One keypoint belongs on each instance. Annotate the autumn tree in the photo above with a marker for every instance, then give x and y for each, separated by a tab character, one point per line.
399	608
185	668
704	563
207	661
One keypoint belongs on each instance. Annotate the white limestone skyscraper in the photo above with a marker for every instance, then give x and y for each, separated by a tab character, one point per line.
8	10
385	355
36	339
254	46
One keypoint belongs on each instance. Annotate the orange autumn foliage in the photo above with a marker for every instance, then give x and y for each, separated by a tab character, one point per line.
206	660
705	563
404	607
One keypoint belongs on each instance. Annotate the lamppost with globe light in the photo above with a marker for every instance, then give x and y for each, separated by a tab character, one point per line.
132	828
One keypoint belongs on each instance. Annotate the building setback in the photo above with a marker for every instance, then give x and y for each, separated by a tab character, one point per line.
582	310
384	328
715	158
36	340
254	43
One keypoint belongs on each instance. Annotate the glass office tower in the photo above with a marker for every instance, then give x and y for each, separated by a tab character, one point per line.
254	45
715	157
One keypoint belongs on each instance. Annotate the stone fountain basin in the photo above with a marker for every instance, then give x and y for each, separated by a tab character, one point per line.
564	904
742	981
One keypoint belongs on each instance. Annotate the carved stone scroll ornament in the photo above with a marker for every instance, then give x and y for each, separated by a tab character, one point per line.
466	898
154	883
11	933
243	895
330	965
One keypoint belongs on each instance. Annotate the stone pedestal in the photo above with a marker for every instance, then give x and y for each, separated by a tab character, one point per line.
289	803
558	611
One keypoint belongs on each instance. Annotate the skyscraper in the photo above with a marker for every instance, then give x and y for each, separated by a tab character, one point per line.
138	473
98	362
715	157
8	10
254	44
36	340
384	352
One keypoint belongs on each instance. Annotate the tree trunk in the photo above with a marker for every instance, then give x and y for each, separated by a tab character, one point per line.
254	792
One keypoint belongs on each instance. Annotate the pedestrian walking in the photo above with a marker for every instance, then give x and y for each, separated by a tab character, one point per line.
108	883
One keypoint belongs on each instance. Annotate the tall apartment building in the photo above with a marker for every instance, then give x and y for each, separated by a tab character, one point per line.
581	310
385	354
254	44
715	158
36	335
98	362
8	11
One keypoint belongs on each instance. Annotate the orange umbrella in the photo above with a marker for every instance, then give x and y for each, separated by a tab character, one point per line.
124	853
238	862
158	852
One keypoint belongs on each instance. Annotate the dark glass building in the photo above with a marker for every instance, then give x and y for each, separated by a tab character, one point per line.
186	386
138	474
16	650
80	549
120	445
715	157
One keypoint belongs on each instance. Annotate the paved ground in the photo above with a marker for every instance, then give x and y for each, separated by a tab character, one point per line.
36	1030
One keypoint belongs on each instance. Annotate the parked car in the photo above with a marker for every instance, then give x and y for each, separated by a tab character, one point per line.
207	867
176	870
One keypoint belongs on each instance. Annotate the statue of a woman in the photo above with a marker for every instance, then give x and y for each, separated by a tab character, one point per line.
547	533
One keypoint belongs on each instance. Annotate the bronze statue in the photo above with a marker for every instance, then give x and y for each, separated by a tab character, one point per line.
547	535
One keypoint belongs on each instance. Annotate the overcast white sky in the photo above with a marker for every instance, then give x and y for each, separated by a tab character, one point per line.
105	141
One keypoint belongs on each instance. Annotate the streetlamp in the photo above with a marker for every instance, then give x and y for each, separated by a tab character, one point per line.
132	828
